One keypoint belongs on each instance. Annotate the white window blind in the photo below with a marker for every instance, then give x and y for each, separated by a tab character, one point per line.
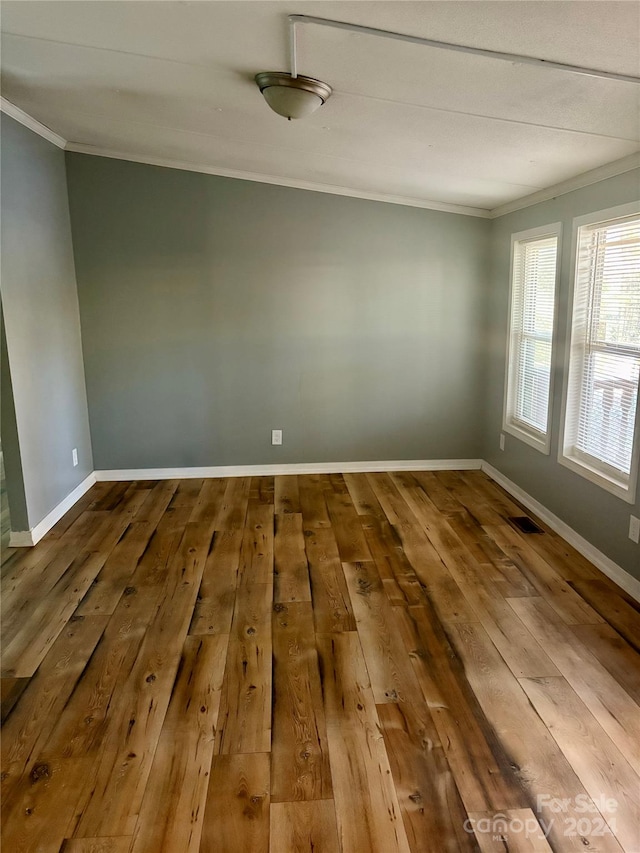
533	288
604	368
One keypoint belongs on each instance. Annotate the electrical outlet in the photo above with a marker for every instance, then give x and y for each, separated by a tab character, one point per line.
276	436
634	528
501	441
74	456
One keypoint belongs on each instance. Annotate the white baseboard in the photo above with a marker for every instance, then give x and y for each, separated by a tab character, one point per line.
128	474
601	561
26	538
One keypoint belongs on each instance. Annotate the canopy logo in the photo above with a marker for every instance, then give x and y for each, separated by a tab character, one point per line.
579	816
501	826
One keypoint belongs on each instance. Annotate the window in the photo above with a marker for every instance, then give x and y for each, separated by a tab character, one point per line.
601	395
534	263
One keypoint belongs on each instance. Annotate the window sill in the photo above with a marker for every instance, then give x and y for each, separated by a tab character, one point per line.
539	442
619	488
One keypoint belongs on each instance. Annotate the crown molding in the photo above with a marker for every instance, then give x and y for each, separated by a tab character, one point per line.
331	189
32	123
600	173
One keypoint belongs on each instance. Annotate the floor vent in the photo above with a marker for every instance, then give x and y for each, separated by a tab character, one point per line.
524	524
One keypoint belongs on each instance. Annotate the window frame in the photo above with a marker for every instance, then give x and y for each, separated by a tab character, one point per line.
570	457
535	438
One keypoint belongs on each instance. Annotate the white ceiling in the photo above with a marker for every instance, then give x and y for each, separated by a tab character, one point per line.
173	81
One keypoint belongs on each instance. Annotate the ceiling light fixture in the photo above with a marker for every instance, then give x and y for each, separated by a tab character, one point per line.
295	96
292	97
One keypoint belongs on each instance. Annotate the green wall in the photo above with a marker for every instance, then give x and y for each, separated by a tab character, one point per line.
40	309
600	517
214	310
10	443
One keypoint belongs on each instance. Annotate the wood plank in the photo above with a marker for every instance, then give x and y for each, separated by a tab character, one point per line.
43	802
171	817
431	807
363	497
394	506
262	490
455	529
291	570
312	505
538	762
441	588
478	506
518	647
87	501
347	529
610	704
156	501
505	573
54	605
97	845
256	556
33	565
304	827
488	490
22	656
602	769
209	500
287	496
236	817
110	584
481	768
567	603
331	603
399	579
367	808
244	721
335	483
216	597
615	655
11	689
438	493
612	605
187	492
300	755
390	671
26	587
569	562
233	510
111	498
43	699
113	802
81	725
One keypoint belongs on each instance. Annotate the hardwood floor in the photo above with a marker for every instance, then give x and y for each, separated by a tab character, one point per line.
367	662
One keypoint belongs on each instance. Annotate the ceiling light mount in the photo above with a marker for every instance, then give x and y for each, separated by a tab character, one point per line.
295	96
514	58
292	97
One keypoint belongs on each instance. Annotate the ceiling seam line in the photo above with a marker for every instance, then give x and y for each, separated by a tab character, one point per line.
514	58
488	118
534	187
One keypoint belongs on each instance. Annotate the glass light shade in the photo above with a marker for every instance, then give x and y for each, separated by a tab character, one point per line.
292	97
291	103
